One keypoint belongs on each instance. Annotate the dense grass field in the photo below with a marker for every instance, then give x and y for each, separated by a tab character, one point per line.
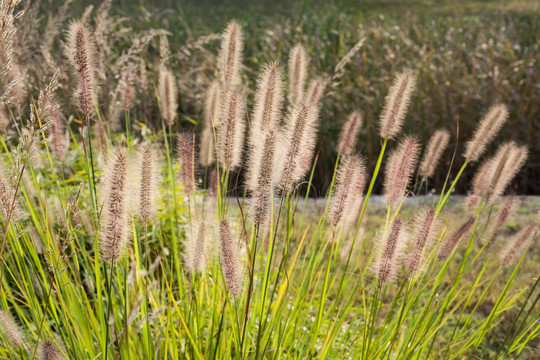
469	54
269	180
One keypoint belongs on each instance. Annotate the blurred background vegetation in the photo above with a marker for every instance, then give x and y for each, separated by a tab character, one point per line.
469	55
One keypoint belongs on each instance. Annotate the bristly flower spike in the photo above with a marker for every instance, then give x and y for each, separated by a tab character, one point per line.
81	53
230	56
350	171
396	104
230	262
401	165
425	233
390	250
517	245
434	150
11	329
207	155
114	227
231	129
450	245
298	62
186	157
349	133
486	131
260	176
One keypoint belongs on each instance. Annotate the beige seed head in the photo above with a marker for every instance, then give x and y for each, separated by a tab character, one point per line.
230	56
168	94
355	201
401	165
451	243
260	176
349	133
114	227
196	255
231	129
127	89
12	330
517	245
500	218
390	250
207	154
13	75
49	351
396	104
315	91
149	181
9	201
486	131
56	128
268	100
506	164
229	259
479	185
186	157
296	146
81	53
4	120
434	150
350	174
298	62
425	233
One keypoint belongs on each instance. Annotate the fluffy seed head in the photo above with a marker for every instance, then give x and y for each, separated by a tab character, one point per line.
11	73
207	154
350	175
506	164
197	248
260	175
186	157
231	129
102	138
500	218
114	227
401	165
49	351
230	55
81	53
230	262
349	133
268	99
425	233
390	250
517	245
56	128
479	185
355	201
297	144
127	89
213	183
486	131
315	90
11	329
448	247
4	120
9	208
434	150
298	62
396	104
149	180
168	93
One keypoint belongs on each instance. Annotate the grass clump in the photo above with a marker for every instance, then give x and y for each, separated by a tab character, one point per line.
109	252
